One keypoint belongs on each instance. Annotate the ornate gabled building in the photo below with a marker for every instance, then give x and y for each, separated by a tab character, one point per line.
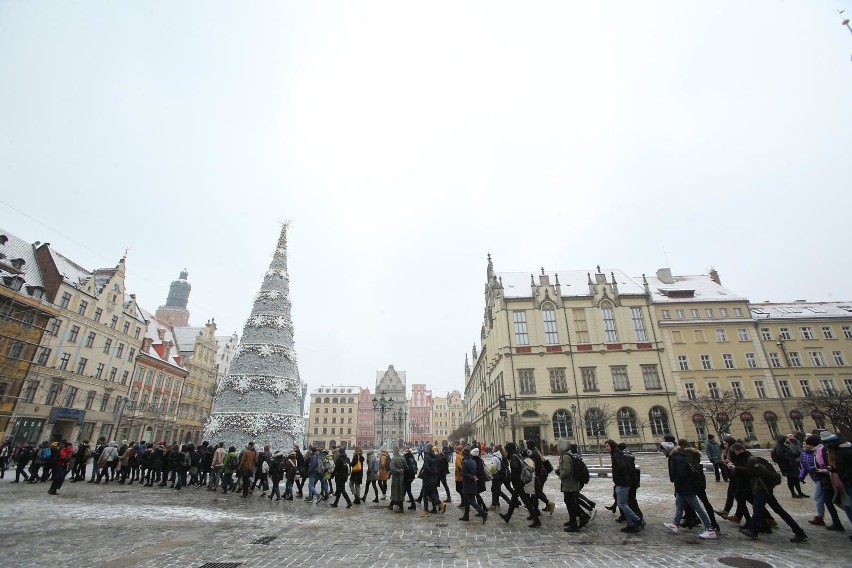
198	348
567	352
82	375
391	386
158	380
366	432
420	415
24	316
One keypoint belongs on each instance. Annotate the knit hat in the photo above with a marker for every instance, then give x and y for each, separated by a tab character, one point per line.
466	451
474	452
827	437
278	454
812	440
667	447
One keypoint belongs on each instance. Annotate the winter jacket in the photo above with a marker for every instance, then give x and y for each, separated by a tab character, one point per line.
714	451
341	468
566	473
228	456
430	468
356	477
679	474
109	454
384	465
622	468
371	459
218	457
248	461
469	481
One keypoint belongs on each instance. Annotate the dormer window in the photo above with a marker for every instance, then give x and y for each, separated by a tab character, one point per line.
13	282
17	263
36	292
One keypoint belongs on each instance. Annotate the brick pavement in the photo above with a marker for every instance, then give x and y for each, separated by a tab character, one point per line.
116	526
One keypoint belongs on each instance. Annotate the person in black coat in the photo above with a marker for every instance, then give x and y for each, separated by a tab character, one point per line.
517	487
341	474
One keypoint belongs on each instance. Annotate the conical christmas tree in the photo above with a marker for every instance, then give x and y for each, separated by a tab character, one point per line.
261	397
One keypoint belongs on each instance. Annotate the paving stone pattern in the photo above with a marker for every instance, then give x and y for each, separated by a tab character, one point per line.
115	526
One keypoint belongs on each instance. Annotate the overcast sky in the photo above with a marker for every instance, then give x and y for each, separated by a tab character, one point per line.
405	141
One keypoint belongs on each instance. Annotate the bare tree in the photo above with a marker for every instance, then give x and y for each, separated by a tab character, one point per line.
463	432
720	410
597	419
835	405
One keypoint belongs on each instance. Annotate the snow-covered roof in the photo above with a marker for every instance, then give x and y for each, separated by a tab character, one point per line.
71	272
160	332
801	310
572	282
332	389
16	248
692	288
186	337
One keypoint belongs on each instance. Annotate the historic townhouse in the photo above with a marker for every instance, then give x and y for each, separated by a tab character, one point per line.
569	354
420	415
155	390
87	356
333	416
808	346
712	346
198	349
440	419
24	315
455	410
366	431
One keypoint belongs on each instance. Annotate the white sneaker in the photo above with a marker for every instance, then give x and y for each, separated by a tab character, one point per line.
708	534
592	514
672	527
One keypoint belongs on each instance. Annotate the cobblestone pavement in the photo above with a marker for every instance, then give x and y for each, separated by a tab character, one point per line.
116	526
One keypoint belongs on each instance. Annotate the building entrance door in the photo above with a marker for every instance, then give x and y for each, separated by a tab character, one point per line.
532	433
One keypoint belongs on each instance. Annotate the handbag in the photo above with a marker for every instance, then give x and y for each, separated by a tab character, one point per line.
548	467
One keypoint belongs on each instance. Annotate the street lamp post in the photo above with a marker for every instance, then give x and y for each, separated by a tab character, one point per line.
399	416
382	404
578	427
783	347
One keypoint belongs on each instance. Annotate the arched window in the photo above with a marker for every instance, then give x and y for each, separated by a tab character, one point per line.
350	400
563	427
532	414
659	421
595	423
327	400
319	400
627	422
334	400
608	314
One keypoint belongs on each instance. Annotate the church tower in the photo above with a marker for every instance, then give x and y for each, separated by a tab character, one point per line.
174	312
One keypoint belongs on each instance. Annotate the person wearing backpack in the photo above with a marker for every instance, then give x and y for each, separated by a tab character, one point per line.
60	466
500	463
261	471
470	485
430	482
764	479
109	454
410	475
356	477
96	457
230	467
516	477
384	471
23	456
542	469
622	478
786	454
276	474
372	476
444	468
815	463
683	474
341	476
216	466
571	485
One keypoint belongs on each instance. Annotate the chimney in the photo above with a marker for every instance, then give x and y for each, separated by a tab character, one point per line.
146	345
714	276
664	275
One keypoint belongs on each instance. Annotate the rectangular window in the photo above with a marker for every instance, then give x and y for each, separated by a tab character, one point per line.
699	336
580	325
620	382
760	388
131	353
99	371
639	324
98	313
774	361
666	314
610	330
680	314
81	365
124	377
159	383
112	373
107	345
126	329
738	312
827	386
63	362
706	363
817	360
113	322
526	381
90	400
805	385
52	394
708	312
748	426
119	351
557	380
827	332
713	389
75	331
66	299
784	333
521	335
590	379
551	336
795	360
44	354
721	335
149	379
765	334
137	332
785	389
81	309
742	334
737	389
690	391
70	397
90	339
846	329
677	337
695	313
751	360
54	327
105	402
651	377
683	362
728	359
839	360
848	383
807	332
723	312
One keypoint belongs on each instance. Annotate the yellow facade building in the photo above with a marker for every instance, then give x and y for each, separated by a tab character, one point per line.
333	416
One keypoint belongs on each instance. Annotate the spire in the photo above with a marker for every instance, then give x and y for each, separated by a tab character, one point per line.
261	397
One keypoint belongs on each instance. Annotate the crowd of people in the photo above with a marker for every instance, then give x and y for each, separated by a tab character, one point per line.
516	474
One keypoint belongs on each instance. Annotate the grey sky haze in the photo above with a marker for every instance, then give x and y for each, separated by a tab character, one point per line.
406	141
